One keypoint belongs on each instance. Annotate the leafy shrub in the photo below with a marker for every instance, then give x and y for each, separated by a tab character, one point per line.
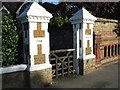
9	41
59	23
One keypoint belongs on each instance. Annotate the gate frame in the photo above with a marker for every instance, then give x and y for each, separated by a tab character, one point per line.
62	59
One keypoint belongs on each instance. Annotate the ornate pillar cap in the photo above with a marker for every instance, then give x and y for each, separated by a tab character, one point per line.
33	12
82	15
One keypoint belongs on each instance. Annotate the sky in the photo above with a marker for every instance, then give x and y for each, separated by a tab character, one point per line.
52	1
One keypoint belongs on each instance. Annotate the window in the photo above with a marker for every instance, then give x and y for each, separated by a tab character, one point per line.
105	48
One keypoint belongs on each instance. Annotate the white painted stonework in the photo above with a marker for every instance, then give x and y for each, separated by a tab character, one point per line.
82	16
15	68
80	20
32	14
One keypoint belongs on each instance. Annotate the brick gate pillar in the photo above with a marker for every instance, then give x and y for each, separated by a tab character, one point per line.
83	23
97	42
35	19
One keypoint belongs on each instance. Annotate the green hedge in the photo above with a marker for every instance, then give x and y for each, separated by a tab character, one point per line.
9	41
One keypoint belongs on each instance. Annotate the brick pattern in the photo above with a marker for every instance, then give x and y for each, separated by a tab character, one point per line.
96	45
108	60
88	49
39	32
41	78
40	58
88	30
90	66
99	27
108	38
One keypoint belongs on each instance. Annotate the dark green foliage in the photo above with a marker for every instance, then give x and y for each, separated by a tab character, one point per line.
108	10
117	29
9	41
59	23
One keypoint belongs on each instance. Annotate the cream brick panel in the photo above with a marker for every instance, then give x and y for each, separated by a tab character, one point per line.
110	42
100	27
107	60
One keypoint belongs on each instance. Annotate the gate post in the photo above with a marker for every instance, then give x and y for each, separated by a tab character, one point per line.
83	23
34	19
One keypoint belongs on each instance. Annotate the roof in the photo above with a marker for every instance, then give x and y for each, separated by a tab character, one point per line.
4	8
35	9
82	14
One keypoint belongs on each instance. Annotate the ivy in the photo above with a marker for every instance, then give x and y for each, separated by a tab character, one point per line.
9	41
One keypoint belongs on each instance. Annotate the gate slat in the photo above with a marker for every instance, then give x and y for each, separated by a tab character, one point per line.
63	50
56	68
62	69
51	59
62	65
68	66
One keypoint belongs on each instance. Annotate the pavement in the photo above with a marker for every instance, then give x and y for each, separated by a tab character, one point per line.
107	77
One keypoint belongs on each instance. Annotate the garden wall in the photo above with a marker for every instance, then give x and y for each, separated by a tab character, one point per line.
19	77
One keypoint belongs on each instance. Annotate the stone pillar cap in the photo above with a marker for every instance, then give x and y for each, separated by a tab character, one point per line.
33	9
81	15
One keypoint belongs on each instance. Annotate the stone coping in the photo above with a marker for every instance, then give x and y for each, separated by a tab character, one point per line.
14	68
40	67
23	67
106	20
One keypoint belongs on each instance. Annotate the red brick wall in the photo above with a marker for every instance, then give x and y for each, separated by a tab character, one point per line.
105	35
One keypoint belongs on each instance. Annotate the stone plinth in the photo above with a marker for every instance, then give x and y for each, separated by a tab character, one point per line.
41	78
89	65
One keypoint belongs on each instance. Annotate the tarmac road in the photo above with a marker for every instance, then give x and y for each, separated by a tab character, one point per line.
107	77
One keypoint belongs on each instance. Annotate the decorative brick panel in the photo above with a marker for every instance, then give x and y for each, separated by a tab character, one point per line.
89	66
88	30
88	49
40	58
39	32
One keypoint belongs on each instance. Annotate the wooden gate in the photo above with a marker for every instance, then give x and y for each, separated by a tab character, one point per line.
62	62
